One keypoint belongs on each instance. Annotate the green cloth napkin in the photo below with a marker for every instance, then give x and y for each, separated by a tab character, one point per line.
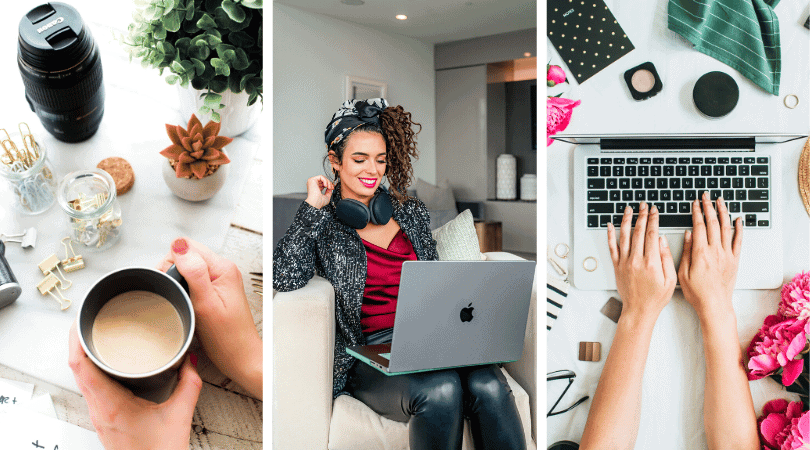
741	33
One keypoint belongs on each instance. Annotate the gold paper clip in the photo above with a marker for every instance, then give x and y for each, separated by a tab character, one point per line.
29	142
50	263
71	263
48	284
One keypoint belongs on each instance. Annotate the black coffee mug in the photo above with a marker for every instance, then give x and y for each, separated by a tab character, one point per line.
156	385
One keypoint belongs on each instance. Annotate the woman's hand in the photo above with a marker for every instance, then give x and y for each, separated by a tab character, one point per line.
225	325
711	254
315	185
124	421
645	273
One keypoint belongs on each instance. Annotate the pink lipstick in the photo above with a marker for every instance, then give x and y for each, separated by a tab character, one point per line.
368	182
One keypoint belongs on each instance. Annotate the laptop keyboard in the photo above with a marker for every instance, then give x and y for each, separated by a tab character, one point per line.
672	183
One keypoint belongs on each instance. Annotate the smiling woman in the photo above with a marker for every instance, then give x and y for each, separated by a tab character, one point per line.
357	235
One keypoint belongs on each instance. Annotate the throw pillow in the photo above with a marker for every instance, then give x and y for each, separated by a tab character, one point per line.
436	197
457	240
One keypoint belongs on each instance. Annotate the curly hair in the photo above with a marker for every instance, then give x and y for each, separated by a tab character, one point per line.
396	127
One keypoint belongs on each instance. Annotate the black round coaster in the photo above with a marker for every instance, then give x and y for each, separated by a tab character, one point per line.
564	445
715	94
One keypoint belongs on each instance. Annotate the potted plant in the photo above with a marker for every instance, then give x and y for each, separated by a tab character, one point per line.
196	168
213	51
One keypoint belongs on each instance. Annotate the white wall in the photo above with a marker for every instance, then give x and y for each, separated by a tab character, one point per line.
312	55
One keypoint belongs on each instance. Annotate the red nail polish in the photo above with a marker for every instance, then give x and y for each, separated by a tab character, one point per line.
180	246
193	359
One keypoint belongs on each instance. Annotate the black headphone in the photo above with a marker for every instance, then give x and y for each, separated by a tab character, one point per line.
357	215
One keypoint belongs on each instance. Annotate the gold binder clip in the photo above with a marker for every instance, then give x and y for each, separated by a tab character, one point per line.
50	263
48	285
71	263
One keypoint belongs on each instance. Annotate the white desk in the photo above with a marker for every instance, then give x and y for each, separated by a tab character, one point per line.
672	405
138	104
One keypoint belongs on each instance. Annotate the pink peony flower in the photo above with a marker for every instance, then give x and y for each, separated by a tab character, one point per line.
796	297
776	346
783	426
555	75
558	115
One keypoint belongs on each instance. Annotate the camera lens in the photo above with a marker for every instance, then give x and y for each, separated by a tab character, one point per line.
61	71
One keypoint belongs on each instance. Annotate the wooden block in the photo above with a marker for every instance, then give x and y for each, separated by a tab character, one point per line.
490	236
590	351
612	309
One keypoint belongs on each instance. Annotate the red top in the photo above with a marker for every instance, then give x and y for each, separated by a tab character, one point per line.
382	282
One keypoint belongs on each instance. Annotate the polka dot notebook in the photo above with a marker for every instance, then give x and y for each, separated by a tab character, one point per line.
586	35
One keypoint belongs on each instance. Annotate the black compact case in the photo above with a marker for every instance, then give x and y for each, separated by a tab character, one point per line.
643	94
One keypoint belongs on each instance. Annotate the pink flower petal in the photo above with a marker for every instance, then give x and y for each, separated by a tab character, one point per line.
772	426
791	371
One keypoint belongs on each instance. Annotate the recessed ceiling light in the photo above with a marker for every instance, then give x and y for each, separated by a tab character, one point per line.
353	2
527	54
402	17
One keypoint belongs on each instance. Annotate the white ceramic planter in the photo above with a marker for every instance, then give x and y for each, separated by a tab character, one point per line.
237	117
195	190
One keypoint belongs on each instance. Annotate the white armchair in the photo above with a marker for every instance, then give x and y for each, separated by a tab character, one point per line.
304	414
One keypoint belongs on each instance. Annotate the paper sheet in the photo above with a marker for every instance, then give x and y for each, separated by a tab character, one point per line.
29	430
14	395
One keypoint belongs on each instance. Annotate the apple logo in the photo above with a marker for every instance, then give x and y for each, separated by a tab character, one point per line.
466	313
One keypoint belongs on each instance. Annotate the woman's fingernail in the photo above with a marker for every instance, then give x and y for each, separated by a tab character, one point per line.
193	359
180	246
664	242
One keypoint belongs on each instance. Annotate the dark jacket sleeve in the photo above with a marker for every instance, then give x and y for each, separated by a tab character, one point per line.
295	257
422	216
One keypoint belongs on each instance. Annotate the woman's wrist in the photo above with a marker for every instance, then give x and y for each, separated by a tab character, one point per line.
639	319
248	371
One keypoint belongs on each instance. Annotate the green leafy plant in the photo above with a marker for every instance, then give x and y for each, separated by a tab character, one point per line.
212	45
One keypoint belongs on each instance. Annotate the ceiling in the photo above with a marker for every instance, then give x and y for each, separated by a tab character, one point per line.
432	21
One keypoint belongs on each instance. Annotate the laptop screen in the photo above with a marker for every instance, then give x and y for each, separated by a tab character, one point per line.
678	141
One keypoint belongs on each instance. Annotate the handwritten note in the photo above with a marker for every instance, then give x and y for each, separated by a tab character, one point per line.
27	430
14	395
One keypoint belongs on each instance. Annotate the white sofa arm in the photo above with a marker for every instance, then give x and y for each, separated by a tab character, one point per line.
524	370
303	346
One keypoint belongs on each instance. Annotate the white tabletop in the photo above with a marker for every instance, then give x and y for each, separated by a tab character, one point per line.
672	404
33	332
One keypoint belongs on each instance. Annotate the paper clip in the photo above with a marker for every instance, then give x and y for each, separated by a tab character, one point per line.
50	263
29	142
559	268
71	263
48	284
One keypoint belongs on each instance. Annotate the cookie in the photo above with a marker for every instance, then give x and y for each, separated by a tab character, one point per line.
120	171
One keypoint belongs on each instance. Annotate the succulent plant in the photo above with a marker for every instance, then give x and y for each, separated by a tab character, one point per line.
196	152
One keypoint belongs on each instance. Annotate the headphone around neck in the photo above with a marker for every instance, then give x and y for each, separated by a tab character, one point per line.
357	215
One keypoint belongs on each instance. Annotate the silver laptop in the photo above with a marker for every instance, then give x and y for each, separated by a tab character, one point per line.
455	313
669	171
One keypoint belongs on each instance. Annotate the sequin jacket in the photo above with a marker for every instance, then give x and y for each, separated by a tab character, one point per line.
317	242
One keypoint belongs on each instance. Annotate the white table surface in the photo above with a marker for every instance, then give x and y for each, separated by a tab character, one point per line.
33	332
672	392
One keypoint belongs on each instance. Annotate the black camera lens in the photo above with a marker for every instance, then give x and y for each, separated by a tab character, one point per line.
61	71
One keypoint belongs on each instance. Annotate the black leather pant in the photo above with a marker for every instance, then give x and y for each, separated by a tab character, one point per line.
435	403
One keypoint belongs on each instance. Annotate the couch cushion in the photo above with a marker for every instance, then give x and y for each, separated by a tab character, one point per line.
436	197
355	426
457	240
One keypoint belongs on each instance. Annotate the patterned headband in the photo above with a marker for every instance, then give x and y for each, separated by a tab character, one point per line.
352	114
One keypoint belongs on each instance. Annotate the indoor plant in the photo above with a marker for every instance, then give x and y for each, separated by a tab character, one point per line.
196	168
212	46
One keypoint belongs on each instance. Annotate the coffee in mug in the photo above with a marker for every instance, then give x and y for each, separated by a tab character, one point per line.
137	332
136	324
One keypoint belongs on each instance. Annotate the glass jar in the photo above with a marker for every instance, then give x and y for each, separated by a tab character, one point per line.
88	198
32	182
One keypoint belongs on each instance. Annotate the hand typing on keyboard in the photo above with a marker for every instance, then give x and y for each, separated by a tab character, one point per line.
645	272
711	253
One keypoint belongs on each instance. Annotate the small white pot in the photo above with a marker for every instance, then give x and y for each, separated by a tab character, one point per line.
192	189
237	116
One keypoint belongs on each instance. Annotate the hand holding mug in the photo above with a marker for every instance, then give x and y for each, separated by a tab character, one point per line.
225	325
123	420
